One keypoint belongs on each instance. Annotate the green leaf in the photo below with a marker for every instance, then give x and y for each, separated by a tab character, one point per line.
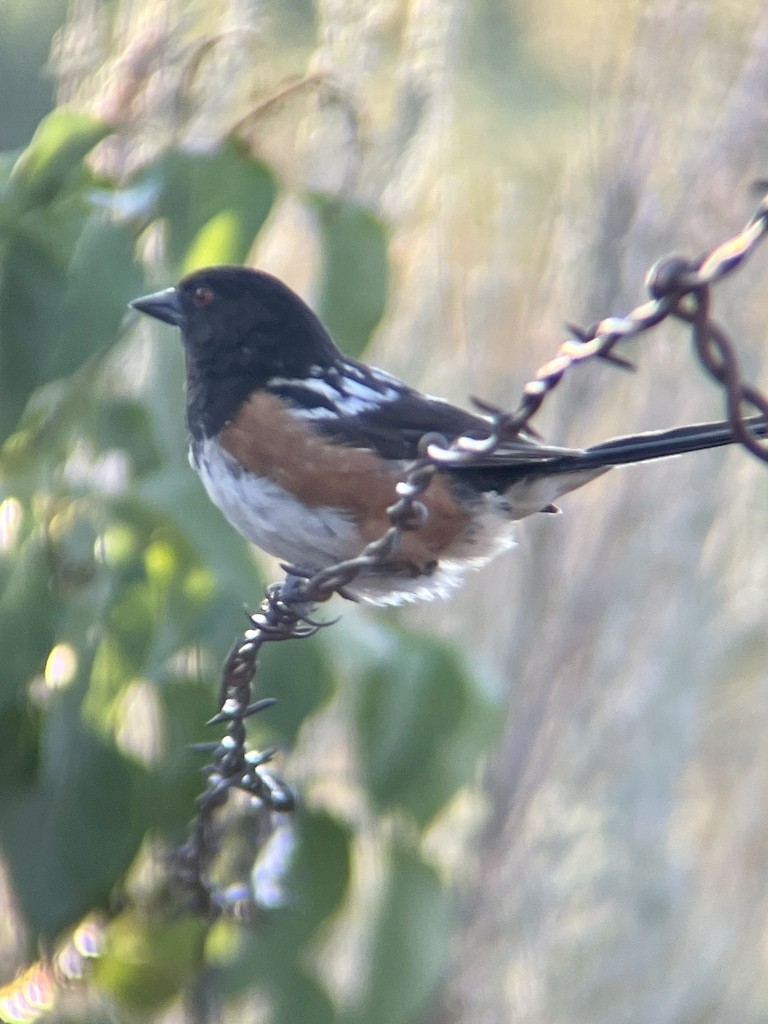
422	722
303	999
102	277
55	154
300	676
187	705
215	202
221	240
29	612
320	873
32	286
66	271
7	162
65	279
19	744
353	290
177	493
52	588
148	963
67	836
124	423
410	947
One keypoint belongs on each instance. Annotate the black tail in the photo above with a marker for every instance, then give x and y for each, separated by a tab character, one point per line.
659	444
531	485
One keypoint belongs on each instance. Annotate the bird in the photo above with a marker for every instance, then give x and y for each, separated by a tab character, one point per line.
302	447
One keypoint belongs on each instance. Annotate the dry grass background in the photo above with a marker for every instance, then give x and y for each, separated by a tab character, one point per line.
533	160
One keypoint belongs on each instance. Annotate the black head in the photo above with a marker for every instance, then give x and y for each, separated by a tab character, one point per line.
235	314
240	327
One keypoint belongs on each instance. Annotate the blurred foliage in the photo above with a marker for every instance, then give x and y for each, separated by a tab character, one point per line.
26	79
354	249
121	589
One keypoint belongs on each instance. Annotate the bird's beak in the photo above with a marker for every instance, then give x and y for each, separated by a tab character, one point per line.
162	305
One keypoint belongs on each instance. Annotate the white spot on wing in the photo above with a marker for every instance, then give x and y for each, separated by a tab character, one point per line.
364	391
321	387
350	391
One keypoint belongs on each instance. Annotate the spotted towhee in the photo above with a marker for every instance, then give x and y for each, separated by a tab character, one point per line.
301	448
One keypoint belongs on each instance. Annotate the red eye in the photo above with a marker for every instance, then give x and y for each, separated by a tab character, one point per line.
203	297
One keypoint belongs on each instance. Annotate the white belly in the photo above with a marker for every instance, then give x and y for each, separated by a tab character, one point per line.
270	517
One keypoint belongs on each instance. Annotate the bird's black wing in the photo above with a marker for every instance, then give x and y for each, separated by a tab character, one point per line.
393	429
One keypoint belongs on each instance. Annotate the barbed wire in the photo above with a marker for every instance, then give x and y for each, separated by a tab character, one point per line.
680	289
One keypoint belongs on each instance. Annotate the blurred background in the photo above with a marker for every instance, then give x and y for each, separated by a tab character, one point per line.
543	801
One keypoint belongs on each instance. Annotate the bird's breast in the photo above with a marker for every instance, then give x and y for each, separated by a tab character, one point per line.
270	516
309	500
316	536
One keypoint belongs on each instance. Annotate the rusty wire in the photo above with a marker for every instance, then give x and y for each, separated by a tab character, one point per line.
680	289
